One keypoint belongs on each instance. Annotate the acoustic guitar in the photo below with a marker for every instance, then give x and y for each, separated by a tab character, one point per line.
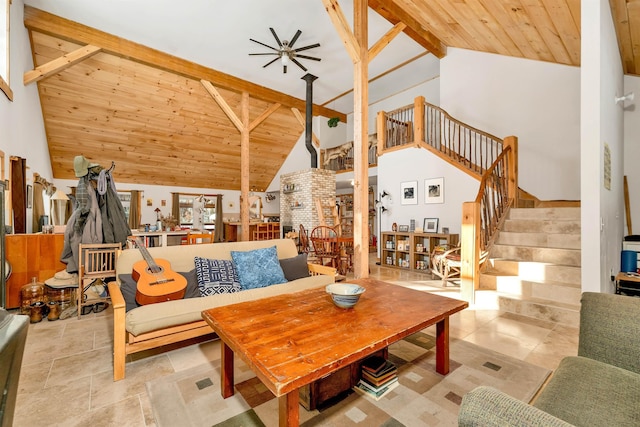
156	281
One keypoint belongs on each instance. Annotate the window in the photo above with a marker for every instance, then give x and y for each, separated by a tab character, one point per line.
197	211
186	210
125	198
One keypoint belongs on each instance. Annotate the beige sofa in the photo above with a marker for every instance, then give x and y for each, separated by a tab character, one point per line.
155	325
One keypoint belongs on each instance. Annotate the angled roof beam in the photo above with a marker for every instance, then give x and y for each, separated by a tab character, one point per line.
59	64
394	14
385	40
46	23
343	28
302	122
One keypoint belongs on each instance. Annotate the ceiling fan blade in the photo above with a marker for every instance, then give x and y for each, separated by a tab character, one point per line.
275	36
311	46
293	40
308	57
270	62
263	44
269	53
298	64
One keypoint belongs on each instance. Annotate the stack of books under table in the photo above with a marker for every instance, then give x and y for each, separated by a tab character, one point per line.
379	376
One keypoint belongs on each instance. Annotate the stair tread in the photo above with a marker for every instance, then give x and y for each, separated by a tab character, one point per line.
543	281
520	245
551	303
536	262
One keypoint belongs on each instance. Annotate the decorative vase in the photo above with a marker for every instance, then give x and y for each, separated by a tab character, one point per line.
394	227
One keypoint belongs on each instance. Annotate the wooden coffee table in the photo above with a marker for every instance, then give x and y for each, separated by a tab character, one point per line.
291	340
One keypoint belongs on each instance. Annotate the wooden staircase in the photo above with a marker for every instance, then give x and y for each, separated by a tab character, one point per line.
534	264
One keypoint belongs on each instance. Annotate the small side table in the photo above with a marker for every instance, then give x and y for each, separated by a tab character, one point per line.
629	283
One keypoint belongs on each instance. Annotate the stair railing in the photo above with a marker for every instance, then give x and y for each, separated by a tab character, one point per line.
429	126
482	218
492	160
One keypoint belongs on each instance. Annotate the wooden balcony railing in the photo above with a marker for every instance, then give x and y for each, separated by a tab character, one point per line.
340	158
429	126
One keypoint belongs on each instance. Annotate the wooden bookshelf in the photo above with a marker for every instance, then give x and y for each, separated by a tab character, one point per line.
412	251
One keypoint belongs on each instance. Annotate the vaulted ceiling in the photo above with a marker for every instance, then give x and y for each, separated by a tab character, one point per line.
130	82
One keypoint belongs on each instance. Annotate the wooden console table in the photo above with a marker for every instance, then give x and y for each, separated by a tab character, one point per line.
31	255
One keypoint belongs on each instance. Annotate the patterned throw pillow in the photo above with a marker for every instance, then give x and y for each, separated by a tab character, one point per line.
216	276
258	268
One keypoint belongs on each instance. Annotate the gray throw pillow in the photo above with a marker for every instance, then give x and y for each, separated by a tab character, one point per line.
295	268
128	288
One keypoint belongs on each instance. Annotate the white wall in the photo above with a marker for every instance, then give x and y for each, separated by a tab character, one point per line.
21	124
602	214
632	150
536	101
417	164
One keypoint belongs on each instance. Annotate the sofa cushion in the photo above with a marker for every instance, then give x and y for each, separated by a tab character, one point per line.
151	317
258	268
216	276
584	392
128	287
295	268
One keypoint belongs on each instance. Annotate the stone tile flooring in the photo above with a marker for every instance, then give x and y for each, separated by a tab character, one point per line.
66	376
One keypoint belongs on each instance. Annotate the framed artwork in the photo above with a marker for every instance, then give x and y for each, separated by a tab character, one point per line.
445	230
409	193
403	228
434	190
430	225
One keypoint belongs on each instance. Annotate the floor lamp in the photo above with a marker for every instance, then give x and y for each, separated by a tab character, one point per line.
60	206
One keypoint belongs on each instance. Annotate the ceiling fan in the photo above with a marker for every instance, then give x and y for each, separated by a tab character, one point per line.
285	51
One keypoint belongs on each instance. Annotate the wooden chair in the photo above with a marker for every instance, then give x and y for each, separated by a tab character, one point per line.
261	232
325	245
303	240
95	261
446	263
195	238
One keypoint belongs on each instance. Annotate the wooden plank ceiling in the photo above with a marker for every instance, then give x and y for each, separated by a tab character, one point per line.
157	123
149	113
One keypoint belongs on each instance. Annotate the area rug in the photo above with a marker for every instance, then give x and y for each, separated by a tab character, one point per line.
423	398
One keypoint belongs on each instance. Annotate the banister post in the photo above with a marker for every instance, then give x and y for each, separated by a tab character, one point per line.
512	164
381	129
418	120
470	251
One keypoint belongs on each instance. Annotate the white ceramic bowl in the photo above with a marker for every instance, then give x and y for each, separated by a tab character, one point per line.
345	295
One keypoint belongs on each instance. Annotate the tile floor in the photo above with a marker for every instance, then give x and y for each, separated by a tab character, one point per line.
66	377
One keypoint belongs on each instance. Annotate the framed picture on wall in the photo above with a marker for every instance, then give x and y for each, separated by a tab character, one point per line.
434	190
430	225
409	193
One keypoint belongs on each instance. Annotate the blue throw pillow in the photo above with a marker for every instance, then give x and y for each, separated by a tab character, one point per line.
216	276
258	268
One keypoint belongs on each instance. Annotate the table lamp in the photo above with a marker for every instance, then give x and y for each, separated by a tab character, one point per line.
60	204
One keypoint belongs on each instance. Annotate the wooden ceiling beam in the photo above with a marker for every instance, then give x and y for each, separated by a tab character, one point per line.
386	39
342	27
302	121
47	23
262	117
394	14
223	105
59	64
